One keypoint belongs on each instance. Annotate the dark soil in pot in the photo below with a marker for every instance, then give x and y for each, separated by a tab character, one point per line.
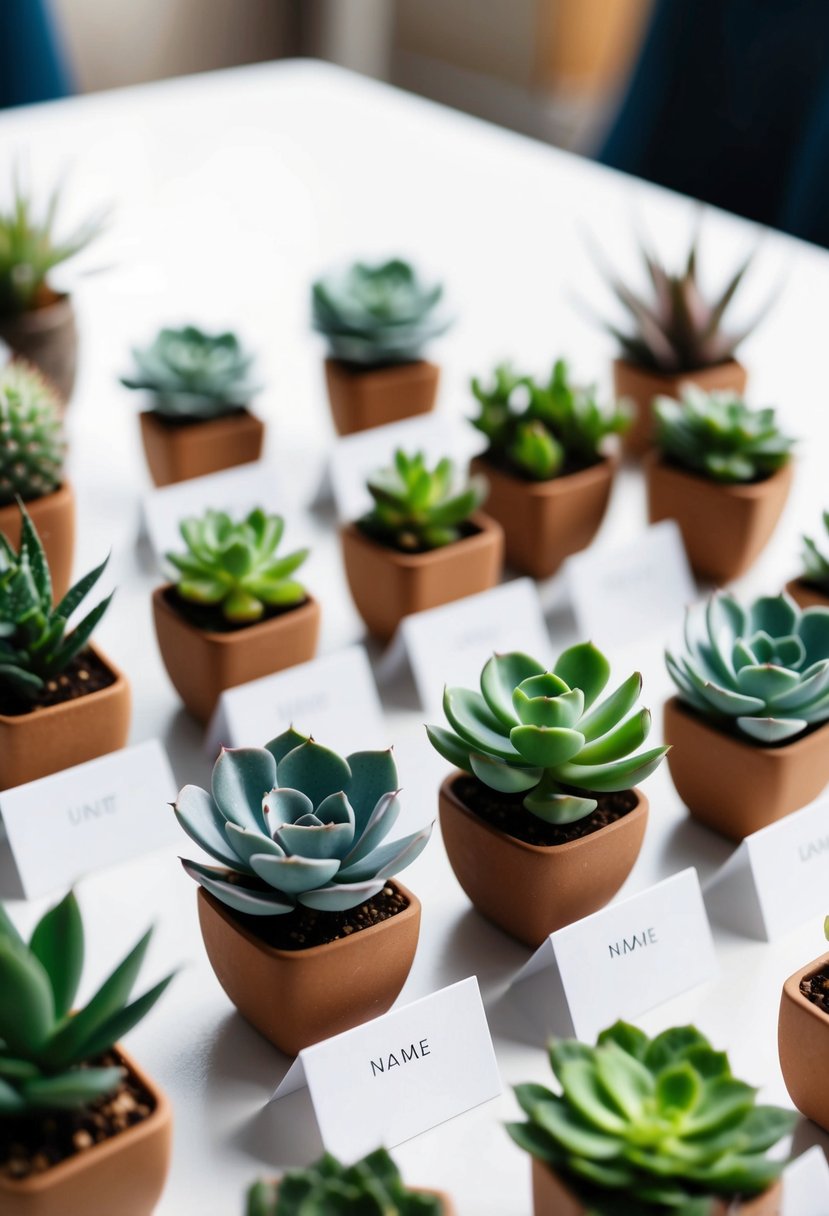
306	927
211	619
815	988
506	812
465	530
85	674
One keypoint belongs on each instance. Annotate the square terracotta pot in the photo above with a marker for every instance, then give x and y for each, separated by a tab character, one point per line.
123	1176
640	386
297	997
803	1046
177	453
807	595
531	890
53	516
201	665
737	787
362	398
49	740
387	585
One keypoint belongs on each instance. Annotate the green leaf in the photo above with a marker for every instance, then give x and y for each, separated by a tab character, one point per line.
204	823
284	743
373	774
614	776
678	1089
584	667
625	1081
316	771
564	710
500	676
124	1020
506	778
27	1007
448	745
76	594
559	808
58	943
583	1091
72	1089
242	776
546	746
629	1038
240	898
577	1135
30	542
473	720
620	742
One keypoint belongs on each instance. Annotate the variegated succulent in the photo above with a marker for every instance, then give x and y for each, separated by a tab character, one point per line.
816	560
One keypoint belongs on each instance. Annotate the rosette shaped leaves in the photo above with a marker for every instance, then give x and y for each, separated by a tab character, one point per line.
763	669
816	560
370	1187
416	508
193	374
719	436
294	823
540	732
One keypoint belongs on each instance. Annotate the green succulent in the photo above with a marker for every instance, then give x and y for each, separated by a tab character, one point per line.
48	1052
763	669
234	567
379	314
193	374
34	643
533	731
32	446
416	508
815	562
370	1187
718	435
650	1127
294	823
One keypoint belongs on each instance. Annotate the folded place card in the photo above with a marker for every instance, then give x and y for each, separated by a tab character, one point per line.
400	1074
806	1185
93	815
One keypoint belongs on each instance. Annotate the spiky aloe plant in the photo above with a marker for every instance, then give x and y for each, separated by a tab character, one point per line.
815	561
540	733
763	669
32	445
192	374
650	1127
370	1187
719	436
417	508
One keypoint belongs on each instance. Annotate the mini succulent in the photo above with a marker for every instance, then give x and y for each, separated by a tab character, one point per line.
34	643
294	823
192	374
541	430
370	1187
379	314
540	733
32	446
650	1127
417	508
49	1051
719	436
234	567
762	670
815	561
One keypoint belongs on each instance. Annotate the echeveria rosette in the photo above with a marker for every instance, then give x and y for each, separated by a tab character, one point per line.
370	1187
763	669
295	823
815	561
193	374
417	508
719	436
540	732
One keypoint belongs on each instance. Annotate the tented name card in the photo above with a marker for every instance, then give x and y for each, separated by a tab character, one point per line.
400	1074
93	815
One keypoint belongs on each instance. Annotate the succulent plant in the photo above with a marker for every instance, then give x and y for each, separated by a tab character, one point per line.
718	435
193	374
32	445
34	643
815	562
763	670
416	508
233	566
540	430
370	1187
533	731
377	314
49	1052
650	1127
295	823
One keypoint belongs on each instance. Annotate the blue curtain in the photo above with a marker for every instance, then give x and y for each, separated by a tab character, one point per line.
32	63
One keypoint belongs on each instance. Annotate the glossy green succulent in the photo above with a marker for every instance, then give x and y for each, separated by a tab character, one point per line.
377	314
719	436
539	732
417	508
540	430
815	561
370	1187
763	669
32	446
234	566
49	1051
193	374
294	823
650	1127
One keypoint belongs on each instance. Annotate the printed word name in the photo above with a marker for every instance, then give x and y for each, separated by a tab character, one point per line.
628	944
92	810
415	1051
815	848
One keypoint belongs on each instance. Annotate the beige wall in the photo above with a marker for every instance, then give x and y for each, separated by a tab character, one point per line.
491	37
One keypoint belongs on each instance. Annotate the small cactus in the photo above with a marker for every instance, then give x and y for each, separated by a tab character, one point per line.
32	445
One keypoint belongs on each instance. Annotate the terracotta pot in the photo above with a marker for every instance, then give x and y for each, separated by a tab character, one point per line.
362	398
803	1046
531	890
123	1175
297	997
737	787
48	338
179	452
807	595
724	527
641	386
387	585
201	665
49	740
447	1207
545	521
54	517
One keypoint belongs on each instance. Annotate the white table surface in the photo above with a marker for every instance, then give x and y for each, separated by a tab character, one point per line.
230	191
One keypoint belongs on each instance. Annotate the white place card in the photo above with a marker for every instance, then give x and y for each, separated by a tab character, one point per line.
400	1074
93	815
619	962
806	1185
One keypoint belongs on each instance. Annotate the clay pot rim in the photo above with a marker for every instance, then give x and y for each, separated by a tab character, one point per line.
150	417
546	850
63	707
673	377
488	528
784	750
309	607
654	460
44	316
368	369
58	496
791	988
554	487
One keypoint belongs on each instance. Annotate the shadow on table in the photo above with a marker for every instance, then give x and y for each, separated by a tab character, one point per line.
475	947
283	1133
806	1135
688	843
10	885
183	737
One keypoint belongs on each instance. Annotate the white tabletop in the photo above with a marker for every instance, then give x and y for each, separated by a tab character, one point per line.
230	191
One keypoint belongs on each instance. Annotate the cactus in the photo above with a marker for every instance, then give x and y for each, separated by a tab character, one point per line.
32	446
719	436
370	1187
192	374
815	561
417	509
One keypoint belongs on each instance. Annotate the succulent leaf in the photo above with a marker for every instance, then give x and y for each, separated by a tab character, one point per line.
193	374
816	560
718	436
415	509
370	1187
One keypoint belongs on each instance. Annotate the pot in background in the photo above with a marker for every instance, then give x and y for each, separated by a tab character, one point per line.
177	451
362	398
53	516
48	338
803	1046
806	594
641	385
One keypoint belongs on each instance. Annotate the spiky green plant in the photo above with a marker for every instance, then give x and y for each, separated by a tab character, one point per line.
763	670
815	561
417	508
529	731
32	445
719	436
370	1187
376	314
192	374
49	1052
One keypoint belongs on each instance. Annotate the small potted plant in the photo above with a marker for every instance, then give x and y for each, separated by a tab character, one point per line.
304	928
32	452
377	319
198	421
803	1037
83	1130
748	727
234	613
372	1186
549	478
811	588
649	1127
61	701
541	822
423	543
